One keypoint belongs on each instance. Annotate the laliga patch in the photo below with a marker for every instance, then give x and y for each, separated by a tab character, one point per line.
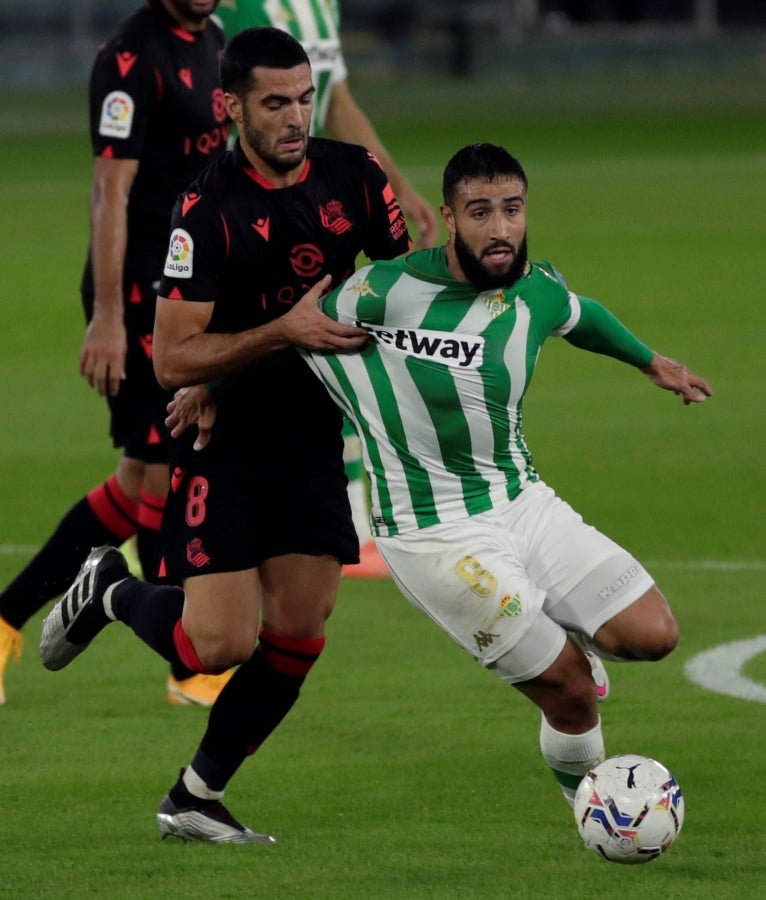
116	115
180	255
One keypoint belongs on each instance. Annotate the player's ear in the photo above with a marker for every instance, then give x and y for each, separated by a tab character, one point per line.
448	216
234	108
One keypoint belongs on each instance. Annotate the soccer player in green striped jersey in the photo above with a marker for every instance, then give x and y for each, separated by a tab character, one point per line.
316	24
473	536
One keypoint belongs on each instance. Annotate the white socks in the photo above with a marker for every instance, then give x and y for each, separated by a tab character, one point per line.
571	756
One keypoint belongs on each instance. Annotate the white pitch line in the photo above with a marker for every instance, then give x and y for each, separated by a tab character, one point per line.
720	669
710	565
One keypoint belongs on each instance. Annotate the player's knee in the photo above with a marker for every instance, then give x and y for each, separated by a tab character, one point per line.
660	641
646	631
222	654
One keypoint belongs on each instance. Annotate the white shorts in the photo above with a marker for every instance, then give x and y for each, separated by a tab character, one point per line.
515	578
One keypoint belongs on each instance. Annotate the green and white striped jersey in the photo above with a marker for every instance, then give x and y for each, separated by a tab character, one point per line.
315	23
436	396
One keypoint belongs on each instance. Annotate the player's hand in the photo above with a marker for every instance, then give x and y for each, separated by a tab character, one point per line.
674	376
102	358
422	216
189	407
307	326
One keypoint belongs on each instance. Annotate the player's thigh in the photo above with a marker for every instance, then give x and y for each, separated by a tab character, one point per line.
222	612
587	577
299	592
469	577
209	525
157	479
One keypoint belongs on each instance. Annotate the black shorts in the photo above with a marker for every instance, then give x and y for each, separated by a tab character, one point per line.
138	412
229	509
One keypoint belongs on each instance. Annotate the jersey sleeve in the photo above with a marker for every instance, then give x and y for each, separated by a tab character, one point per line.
592	327
387	234
122	96
196	251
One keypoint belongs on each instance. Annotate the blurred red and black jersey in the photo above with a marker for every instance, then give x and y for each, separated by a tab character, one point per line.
155	97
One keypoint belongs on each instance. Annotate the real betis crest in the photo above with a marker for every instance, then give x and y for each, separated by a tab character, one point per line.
495	303
510	606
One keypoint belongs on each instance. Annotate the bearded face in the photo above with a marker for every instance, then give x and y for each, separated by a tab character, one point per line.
498	265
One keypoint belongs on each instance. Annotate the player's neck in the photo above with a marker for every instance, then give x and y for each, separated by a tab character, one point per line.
269	176
452	264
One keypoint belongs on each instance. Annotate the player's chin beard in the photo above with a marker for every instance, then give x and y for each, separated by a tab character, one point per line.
254	140
476	272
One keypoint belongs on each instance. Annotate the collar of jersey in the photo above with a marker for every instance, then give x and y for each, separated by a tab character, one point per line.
244	163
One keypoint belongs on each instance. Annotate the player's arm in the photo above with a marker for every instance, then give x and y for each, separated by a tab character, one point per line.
196	406
121	105
102	359
346	121
184	353
599	331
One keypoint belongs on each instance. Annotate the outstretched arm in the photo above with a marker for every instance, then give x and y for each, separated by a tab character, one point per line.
597	330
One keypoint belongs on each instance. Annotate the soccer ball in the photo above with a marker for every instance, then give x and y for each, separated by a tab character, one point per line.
629	809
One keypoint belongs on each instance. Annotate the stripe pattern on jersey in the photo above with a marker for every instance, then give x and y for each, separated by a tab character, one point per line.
428	395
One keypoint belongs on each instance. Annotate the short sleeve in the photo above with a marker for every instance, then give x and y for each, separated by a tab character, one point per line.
197	251
123	96
387	234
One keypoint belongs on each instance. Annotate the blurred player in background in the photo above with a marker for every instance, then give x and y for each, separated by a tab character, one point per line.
157	116
316	24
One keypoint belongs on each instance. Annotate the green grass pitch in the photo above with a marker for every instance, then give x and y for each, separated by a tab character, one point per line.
405	771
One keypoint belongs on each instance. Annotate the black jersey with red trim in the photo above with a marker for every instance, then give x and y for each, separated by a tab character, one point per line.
155	97
254	250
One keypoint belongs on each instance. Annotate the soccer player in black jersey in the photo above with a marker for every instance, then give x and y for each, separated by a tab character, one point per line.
254	241
157	116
